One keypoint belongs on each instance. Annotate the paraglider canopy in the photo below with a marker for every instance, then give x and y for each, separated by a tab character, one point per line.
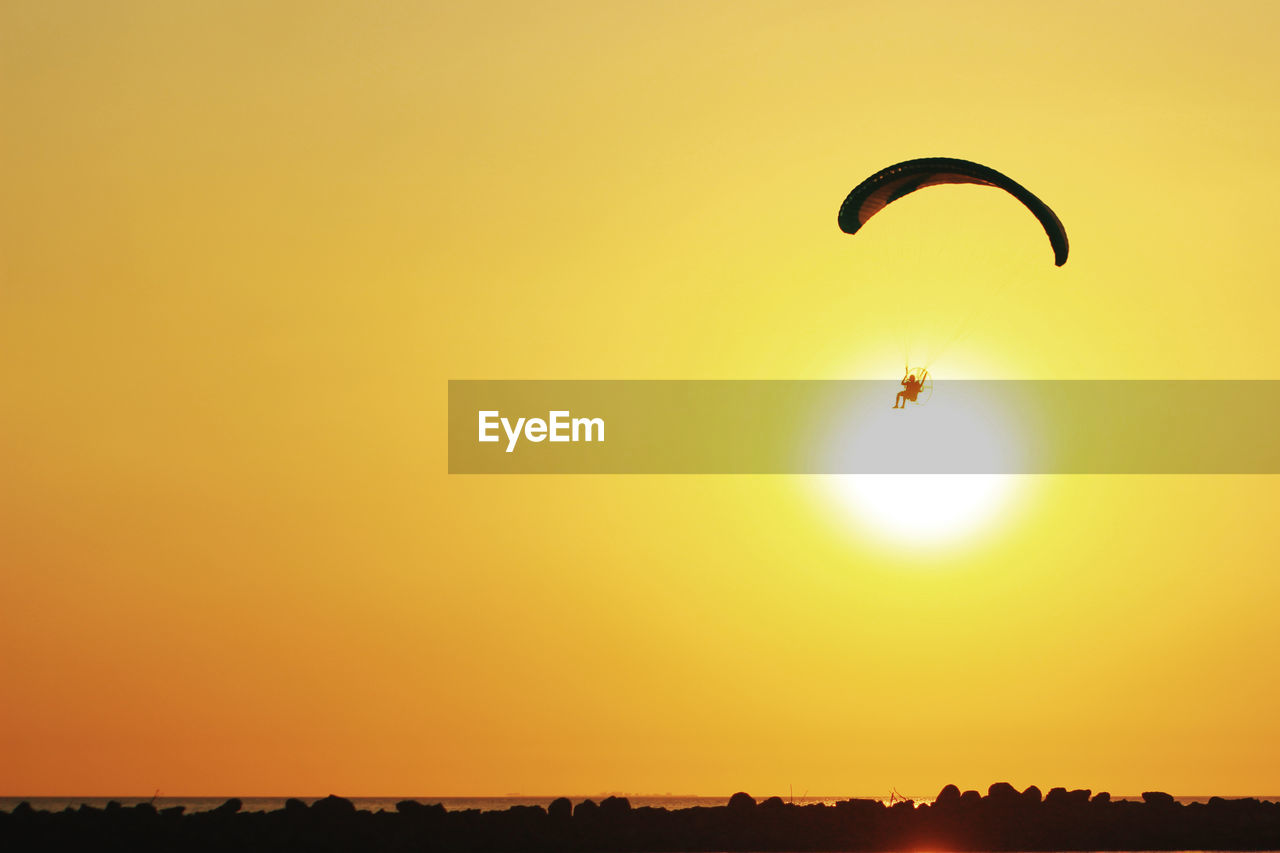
891	184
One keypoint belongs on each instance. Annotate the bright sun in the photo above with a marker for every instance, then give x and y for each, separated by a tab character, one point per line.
924	509
942	471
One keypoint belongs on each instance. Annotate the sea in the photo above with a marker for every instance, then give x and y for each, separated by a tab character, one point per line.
261	804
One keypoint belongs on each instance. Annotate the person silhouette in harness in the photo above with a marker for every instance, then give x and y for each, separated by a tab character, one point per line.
910	390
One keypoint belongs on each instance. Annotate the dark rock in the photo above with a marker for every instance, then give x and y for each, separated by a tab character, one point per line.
1031	795
1002	792
293	804
1063	797
334	806
1102	797
1056	797
231	806
969	797
948	794
560	808
741	801
585	809
615	805
1158	798
773	803
417	809
529	811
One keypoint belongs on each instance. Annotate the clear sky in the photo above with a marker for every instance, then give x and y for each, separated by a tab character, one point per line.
243	246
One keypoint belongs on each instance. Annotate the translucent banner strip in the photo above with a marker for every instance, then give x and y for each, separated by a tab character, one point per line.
851	427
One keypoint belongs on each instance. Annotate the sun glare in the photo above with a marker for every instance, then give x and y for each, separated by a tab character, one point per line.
935	474
924	509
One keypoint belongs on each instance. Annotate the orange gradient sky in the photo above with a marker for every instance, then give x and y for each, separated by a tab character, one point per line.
243	247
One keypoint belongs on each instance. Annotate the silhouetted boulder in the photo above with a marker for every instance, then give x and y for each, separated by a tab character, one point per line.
611	806
970	797
414	808
1031	795
560	808
530	811
741	801
334	806
585	809
1002	792
771	803
1063	797
1056	797
231	806
1158	798
948	794
1101	797
862	809
294	805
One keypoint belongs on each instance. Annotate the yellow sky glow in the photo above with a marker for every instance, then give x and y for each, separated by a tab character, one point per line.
243	247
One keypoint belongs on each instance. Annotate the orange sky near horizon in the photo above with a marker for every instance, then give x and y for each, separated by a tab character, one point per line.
244	246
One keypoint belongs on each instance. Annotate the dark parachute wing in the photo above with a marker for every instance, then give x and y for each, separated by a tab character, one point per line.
891	184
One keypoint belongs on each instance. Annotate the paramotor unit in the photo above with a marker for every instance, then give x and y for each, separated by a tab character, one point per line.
916	384
925	379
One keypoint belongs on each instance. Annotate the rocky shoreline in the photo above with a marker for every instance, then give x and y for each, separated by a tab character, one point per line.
1004	820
